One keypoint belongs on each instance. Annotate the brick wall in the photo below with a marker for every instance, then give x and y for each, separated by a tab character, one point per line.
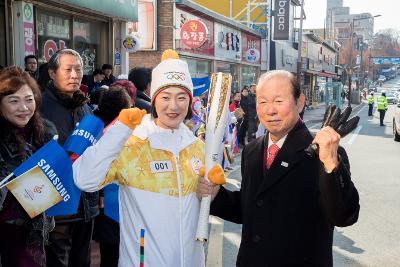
164	37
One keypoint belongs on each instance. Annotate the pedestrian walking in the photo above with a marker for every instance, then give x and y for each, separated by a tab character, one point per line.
156	161
245	122
23	131
288	203
371	101
382	106
65	105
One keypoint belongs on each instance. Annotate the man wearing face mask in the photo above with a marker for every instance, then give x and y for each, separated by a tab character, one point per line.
65	105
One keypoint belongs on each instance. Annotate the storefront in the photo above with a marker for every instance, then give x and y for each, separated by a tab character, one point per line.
251	56
81	25
56	30
194	40
233	69
228	52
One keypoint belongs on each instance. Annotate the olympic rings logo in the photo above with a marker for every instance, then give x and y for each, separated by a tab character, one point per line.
178	76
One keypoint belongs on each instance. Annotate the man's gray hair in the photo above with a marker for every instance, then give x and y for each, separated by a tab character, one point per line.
54	62
281	74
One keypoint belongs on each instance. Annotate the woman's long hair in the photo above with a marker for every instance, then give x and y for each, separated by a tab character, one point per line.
11	80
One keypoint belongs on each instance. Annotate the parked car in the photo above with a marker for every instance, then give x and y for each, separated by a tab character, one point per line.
396	123
391	98
381	78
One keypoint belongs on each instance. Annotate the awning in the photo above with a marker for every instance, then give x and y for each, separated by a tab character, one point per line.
327	74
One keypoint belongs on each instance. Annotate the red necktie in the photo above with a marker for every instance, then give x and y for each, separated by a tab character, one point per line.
272	152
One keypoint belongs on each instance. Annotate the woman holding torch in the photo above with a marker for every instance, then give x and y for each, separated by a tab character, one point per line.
156	161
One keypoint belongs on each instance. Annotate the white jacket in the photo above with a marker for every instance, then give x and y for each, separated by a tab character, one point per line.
152	195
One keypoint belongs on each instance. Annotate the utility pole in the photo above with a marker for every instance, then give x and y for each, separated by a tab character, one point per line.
361	75
350	69
299	63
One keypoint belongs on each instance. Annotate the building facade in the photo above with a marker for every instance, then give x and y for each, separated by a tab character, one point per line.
206	40
319	60
43	27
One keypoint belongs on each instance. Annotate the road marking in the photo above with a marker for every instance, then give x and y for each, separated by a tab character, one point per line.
315	125
360	110
215	242
354	135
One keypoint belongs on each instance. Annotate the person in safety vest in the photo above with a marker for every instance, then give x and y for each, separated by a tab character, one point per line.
371	101
382	107
156	161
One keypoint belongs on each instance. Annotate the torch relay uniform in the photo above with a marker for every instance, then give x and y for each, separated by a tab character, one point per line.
157	170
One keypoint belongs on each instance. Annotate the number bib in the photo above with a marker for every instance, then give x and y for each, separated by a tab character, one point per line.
160	166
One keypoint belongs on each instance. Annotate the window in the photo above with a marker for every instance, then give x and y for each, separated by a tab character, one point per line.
53	32
88	38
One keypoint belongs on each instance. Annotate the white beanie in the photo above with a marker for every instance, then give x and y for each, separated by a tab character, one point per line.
170	72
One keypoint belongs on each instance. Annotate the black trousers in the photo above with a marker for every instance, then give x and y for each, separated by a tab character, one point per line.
381	116
242	131
251	135
109	255
70	244
370	108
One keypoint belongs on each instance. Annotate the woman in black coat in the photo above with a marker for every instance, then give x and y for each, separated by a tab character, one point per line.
23	131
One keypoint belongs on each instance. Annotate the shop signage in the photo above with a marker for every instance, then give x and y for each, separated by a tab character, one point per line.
29	36
228	42
187	44
251	49
50	47
386	60
131	44
193	33
117	57
281	20
127	9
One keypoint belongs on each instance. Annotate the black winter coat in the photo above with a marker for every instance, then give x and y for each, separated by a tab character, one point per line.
143	101
289	213
65	115
40	226
248	104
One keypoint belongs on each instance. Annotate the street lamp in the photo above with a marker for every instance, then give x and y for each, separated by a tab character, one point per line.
350	69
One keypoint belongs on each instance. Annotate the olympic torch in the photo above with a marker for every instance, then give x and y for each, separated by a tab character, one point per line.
217	105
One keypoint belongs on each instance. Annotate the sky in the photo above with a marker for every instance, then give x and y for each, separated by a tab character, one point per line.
389	9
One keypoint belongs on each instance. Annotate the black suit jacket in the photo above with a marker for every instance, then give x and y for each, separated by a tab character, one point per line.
289	213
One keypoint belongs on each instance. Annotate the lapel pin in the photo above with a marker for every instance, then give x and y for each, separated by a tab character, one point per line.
285	164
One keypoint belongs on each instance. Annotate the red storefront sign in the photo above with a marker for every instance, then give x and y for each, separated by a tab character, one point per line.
193	33
251	51
207	47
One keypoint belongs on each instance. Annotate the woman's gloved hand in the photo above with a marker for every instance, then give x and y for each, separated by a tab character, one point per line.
131	117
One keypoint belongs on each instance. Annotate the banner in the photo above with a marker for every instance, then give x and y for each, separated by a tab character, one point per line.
386	60
86	133
111	205
200	85
281	20
36	193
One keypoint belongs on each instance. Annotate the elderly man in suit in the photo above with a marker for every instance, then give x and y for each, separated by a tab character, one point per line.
289	203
